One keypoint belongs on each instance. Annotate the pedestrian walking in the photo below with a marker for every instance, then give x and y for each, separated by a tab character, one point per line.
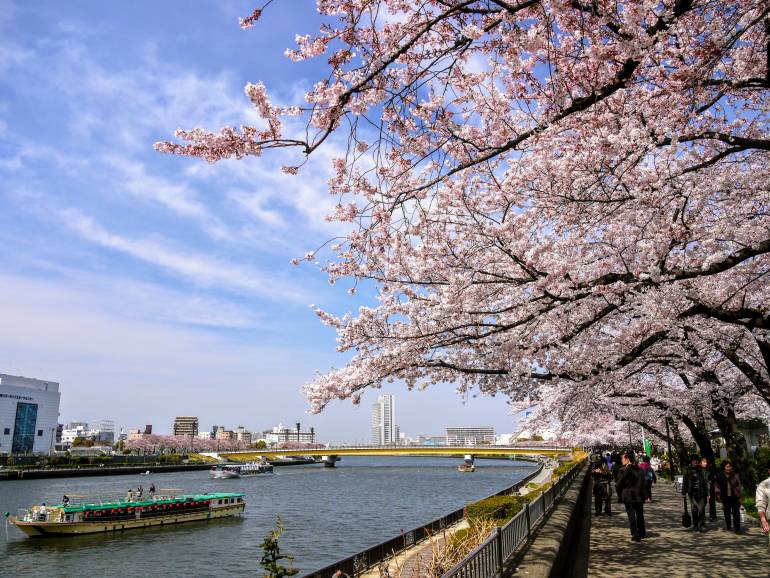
763	502
130	495
616	465
152	490
728	491
630	487
139	492
708	466
602	481
649	477
695	485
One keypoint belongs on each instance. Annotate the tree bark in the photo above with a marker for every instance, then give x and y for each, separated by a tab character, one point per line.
737	450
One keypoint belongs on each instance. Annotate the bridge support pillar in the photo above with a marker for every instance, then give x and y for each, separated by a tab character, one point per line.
329	461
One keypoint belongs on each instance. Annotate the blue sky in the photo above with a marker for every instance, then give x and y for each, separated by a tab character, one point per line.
150	285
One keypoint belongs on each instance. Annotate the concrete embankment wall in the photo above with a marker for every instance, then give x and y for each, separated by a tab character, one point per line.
96	471
560	548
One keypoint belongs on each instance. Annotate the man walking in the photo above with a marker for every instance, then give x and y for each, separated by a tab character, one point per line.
728	491
630	488
696	486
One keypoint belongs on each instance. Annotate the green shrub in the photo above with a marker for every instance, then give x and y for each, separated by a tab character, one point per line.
759	465
459	536
749	502
498	509
563	468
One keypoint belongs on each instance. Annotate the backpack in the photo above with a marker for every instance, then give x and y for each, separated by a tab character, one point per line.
649	475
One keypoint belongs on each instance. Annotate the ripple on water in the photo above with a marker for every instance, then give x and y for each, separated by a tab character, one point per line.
328	514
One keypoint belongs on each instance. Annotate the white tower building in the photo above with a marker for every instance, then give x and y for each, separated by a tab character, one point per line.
384	428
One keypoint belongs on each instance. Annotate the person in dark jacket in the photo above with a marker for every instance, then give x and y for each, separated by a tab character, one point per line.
711	472
616	465
631	492
602	480
696	486
728	491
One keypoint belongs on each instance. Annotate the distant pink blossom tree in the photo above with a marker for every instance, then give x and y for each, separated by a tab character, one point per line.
562	201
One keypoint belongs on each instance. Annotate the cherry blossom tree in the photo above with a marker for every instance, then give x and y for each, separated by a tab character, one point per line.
560	200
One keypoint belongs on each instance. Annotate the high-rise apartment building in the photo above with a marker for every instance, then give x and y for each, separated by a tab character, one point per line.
186	426
384	428
470	436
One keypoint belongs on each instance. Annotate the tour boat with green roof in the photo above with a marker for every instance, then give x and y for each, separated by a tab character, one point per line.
115	515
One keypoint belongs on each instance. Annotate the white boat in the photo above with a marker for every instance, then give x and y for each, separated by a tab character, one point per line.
222	472
256	468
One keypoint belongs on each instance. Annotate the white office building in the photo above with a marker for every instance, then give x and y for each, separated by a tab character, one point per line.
384	429
470	436
29	414
74	430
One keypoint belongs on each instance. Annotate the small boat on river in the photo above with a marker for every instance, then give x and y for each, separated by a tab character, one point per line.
108	516
255	468
222	472
466	467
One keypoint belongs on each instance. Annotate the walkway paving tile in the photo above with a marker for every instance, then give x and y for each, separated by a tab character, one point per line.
671	550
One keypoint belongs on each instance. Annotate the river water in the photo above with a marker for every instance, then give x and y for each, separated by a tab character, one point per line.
328	514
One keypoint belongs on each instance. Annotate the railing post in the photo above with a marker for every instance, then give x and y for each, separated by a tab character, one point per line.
529	522
499	541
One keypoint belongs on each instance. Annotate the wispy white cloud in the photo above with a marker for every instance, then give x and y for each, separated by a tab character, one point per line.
99	355
133	178
200	269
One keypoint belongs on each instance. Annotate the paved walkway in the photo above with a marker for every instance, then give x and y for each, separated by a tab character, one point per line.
671	550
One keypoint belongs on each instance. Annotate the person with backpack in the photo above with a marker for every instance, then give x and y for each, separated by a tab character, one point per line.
649	477
728	491
696	486
630	486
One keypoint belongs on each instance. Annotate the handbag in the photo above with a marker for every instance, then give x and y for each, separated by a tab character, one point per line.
686	519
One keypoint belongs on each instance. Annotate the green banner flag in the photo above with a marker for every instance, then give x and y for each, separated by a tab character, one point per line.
647	445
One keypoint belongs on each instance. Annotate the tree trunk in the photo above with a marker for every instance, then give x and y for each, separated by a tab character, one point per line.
701	437
737	450
680	449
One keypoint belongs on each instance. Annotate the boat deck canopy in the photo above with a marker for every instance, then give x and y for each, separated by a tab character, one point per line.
143	503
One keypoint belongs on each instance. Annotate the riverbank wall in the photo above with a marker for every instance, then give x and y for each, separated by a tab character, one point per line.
31	474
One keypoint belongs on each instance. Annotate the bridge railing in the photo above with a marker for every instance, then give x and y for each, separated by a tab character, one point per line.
371	557
490	557
459	449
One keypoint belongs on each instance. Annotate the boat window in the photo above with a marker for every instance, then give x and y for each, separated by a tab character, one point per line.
220	501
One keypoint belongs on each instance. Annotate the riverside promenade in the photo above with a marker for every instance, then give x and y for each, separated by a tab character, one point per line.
670	549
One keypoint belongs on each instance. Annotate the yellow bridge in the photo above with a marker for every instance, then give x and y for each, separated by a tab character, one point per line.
329	454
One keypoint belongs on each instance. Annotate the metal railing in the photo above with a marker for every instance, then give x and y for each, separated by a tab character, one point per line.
490	557
371	557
